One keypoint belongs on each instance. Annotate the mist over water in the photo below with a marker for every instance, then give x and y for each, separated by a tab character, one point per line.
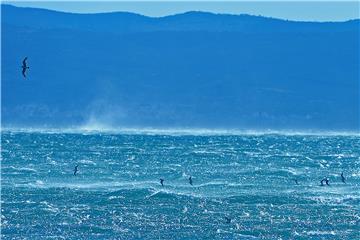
249	178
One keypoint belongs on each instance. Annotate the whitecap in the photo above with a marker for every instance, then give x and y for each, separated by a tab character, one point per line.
85	161
312	233
39	182
49	207
24	169
116	197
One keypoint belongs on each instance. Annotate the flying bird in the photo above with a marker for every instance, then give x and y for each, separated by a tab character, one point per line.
342	177
327	181
75	170
24	67
162	181
190	181
322	182
228	220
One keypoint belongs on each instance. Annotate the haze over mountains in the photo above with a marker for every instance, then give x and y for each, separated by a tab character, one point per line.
188	70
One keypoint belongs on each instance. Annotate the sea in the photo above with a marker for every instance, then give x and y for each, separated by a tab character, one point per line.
244	185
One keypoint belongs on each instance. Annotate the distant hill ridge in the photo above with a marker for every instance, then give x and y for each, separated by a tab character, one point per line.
132	22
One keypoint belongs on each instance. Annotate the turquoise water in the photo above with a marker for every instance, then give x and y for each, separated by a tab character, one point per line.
117	194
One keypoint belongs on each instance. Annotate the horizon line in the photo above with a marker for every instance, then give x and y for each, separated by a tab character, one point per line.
173	131
179	13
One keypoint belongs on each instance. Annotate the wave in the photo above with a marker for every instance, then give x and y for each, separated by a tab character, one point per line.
335	200
105	185
93	185
19	169
150	188
174	193
317	233
101	129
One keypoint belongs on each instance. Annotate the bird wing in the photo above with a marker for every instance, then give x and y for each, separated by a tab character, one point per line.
24	62
23	72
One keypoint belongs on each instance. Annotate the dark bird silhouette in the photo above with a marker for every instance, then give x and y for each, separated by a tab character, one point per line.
322	182
228	220
327	181
24	67
342	177
162	181
190	181
76	169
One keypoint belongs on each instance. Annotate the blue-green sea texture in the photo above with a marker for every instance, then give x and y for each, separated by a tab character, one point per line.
243	186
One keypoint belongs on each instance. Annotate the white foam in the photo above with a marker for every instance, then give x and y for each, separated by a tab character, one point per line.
20	169
39	182
116	197
334	199
214	183
312	233
84	161
173	192
49	207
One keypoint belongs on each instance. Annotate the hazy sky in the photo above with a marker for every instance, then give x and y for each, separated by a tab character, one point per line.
291	9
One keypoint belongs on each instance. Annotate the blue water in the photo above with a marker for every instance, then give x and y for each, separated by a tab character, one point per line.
117	194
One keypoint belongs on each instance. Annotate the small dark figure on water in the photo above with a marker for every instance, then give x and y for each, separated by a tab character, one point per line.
24	67
76	169
190	181
228	220
322	182
327	181
342	177
162	181
296	181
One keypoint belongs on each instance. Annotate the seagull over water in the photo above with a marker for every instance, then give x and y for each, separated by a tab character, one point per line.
24	67
190	181
322	182
162	181
342	177
76	169
327	181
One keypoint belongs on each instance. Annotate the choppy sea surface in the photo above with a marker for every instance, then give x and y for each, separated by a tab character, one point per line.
243	186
